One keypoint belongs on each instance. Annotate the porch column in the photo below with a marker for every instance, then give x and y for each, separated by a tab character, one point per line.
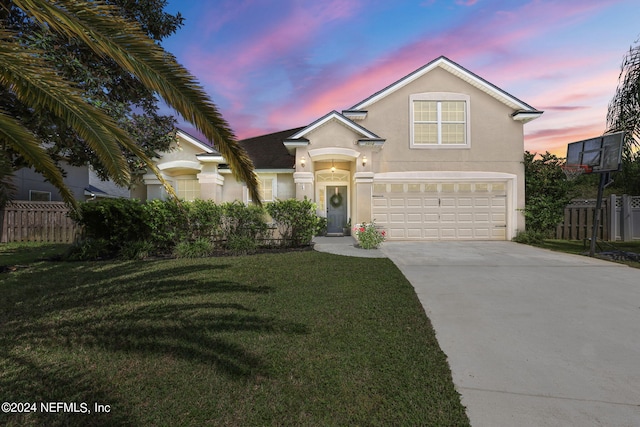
211	185
364	190
155	189
304	185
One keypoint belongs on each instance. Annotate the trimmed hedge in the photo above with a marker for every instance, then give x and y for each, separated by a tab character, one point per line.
131	229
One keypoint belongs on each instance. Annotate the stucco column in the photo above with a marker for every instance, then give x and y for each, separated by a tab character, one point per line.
210	185
304	185
155	189
364	190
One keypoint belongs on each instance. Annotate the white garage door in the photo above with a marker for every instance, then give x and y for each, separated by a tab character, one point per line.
441	211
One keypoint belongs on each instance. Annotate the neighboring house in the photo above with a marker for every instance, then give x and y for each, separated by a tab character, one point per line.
83	182
436	155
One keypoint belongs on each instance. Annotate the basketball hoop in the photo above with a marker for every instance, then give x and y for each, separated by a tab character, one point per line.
574	171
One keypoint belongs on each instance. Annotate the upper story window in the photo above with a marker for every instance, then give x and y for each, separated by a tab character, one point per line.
439	120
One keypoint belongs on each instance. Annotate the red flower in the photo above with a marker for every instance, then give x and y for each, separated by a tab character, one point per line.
383	233
362	229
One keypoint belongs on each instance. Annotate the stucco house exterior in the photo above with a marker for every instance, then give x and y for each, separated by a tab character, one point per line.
437	155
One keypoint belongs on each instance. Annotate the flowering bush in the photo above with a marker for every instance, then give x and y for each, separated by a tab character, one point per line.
369	237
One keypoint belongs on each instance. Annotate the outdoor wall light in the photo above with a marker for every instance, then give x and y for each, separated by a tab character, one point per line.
364	160
303	161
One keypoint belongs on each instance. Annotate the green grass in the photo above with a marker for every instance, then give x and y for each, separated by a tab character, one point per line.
582	248
301	338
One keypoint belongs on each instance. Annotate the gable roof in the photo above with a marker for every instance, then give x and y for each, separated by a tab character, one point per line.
334	115
268	151
464	74
206	147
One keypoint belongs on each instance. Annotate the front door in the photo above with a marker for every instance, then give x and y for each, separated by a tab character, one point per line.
336	208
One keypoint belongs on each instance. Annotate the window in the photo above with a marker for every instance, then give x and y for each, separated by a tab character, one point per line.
39	196
439	120
188	189
266	187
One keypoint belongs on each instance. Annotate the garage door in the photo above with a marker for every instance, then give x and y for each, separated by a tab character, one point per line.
441	211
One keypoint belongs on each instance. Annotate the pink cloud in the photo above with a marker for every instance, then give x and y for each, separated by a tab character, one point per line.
487	43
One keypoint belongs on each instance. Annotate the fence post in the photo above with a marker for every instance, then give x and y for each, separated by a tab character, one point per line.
626	226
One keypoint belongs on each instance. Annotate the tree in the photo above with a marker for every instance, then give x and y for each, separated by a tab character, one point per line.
31	76
624	115
547	192
103	83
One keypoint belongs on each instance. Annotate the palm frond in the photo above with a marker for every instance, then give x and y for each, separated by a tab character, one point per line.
98	25
29	146
35	84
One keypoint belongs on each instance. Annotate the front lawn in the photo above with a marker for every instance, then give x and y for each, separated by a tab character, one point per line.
301	338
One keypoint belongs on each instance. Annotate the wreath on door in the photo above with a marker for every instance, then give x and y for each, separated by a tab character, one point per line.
336	200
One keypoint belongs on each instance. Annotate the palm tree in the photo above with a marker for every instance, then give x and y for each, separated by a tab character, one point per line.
624	109
34	82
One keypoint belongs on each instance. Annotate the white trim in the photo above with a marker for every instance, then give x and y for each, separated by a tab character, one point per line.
210	159
455	69
180	164
334	115
303	178
263	177
323	185
442	176
195	142
333	153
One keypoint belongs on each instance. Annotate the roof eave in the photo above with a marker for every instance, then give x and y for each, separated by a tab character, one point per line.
526	116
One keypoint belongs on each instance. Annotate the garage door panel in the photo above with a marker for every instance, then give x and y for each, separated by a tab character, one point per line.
482	202
396	218
443	211
414	233
465	202
379	202
431	218
480	217
414	218
466	217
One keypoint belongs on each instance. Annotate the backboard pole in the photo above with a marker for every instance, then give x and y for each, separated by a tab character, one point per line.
604	178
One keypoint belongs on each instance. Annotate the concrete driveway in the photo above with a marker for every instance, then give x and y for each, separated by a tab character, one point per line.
533	337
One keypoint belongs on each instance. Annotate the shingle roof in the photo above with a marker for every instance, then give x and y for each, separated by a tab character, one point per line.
268	151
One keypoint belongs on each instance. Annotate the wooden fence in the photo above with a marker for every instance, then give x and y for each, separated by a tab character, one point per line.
619	219
24	221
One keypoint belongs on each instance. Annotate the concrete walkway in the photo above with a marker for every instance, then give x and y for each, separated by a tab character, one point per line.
344	245
533	337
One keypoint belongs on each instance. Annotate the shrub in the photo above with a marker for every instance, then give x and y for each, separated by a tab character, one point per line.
89	249
204	218
296	221
198	248
241	245
240	220
115	221
369	237
529	237
139	249
547	192
168	224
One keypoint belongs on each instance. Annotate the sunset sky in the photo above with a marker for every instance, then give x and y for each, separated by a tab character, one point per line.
271	65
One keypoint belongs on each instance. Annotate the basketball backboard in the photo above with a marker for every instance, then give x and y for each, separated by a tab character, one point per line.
600	154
